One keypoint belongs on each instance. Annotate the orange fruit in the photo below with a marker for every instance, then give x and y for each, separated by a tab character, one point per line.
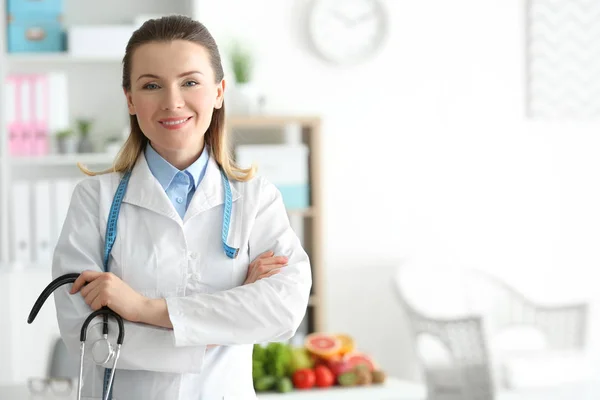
323	344
348	344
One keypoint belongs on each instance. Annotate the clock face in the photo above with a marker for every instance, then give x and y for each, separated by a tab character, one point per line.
347	31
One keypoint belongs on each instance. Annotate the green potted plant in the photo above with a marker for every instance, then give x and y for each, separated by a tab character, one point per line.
241	64
245	96
65	142
85	144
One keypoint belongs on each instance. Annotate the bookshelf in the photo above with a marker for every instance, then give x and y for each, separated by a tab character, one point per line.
25	359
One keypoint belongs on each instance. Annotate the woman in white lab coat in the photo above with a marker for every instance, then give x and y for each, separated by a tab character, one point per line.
192	313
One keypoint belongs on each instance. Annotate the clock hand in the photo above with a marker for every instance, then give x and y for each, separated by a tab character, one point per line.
364	17
341	17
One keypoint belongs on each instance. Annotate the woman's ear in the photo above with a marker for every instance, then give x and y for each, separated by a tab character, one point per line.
130	105
220	94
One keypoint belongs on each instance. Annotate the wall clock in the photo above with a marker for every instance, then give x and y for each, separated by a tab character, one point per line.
347	31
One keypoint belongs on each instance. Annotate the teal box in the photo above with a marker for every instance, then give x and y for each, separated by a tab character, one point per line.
21	8
295	196
35	34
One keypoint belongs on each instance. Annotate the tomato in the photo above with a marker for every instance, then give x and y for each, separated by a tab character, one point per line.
323	376
304	378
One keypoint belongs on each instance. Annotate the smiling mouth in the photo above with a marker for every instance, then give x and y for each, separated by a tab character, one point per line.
174	123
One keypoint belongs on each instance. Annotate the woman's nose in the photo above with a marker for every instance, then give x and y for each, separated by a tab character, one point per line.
173	99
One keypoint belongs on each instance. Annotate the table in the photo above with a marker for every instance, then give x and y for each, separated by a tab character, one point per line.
392	389
21	392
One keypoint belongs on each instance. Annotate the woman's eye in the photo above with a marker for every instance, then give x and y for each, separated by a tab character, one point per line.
151	86
190	83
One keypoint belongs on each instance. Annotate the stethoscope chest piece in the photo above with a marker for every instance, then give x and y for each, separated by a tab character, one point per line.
102	351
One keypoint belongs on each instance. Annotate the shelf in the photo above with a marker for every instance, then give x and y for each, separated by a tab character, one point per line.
304	212
53	58
63	159
275	121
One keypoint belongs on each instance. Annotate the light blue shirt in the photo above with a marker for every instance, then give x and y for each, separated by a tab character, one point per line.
179	186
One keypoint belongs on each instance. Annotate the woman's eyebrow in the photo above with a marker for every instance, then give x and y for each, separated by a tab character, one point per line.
179	76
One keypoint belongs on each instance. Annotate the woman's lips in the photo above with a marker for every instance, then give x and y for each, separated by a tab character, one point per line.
174	123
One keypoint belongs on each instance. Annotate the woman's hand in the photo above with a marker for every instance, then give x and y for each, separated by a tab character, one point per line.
106	289
265	265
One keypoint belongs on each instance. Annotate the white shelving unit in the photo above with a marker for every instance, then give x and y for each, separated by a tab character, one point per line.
4	187
61	160
95	92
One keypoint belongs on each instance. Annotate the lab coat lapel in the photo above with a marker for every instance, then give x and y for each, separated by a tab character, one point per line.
145	191
210	193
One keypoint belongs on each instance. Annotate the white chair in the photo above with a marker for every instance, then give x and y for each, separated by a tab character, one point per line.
477	338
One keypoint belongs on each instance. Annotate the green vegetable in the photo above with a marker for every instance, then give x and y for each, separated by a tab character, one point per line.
258	362
270	364
258	369
284	385
265	383
300	359
277	360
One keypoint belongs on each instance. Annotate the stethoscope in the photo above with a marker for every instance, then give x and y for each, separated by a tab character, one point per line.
103	345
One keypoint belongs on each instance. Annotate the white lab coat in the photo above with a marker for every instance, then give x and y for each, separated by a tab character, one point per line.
159	255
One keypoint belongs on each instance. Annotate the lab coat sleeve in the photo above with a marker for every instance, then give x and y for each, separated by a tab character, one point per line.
270	309
80	247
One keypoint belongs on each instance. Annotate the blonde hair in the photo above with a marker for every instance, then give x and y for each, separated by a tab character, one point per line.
166	29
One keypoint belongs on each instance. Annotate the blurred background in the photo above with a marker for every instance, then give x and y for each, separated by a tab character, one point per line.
438	160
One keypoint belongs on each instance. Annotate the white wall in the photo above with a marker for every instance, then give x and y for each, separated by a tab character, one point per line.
427	150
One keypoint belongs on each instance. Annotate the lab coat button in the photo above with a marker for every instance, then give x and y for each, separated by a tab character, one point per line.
193	255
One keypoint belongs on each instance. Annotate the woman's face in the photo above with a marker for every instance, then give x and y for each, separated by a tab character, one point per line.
173	94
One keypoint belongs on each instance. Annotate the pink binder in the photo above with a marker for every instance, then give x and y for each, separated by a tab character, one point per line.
22	127
14	116
39	106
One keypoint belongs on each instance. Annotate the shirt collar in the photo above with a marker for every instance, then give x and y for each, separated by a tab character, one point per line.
164	172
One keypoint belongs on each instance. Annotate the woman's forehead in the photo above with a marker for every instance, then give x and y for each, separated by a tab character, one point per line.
170	59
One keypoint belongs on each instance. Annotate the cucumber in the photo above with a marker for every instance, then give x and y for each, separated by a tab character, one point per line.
265	383
284	385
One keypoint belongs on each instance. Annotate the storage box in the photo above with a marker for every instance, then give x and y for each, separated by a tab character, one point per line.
35	34
285	166
22	8
101	41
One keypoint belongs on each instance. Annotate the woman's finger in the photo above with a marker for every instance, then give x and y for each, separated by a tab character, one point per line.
83	278
270	273
275	260
97	302
271	261
92	295
89	287
268	253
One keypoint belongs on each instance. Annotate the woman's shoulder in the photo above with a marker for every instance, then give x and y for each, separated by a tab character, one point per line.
97	183
257	188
